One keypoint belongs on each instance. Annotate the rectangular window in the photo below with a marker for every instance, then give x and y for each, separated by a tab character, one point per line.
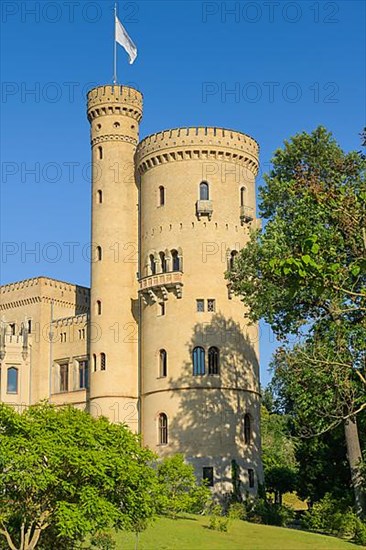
64	377
12	328
200	305
208	473
161	309
211	305
29	326
251	477
83	374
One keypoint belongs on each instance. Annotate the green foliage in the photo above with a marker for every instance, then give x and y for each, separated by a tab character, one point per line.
102	541
278	453
218	522
65	474
179	489
334	517
237	510
260	510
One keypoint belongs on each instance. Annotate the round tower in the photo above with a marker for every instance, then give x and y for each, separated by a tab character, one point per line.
199	357
114	113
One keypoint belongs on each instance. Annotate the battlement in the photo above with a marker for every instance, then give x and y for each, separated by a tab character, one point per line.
120	100
206	143
43	281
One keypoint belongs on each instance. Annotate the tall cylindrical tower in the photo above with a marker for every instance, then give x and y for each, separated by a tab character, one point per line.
114	113
200	373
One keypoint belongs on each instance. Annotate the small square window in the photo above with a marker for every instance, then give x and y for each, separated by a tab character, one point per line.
161	308
208	473
200	305
211	305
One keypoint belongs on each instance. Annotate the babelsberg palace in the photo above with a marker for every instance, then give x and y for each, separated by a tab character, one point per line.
159	341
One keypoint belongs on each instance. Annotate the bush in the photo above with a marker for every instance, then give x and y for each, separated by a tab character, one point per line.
270	513
360	533
334	517
237	511
103	541
218	522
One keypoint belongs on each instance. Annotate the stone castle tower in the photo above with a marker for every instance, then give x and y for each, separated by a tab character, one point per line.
162	345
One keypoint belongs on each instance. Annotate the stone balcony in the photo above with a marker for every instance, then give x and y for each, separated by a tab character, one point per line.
155	288
204	208
246	214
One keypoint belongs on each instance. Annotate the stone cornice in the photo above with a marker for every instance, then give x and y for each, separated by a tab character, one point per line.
113	137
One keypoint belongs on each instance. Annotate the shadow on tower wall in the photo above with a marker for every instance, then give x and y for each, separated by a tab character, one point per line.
208	427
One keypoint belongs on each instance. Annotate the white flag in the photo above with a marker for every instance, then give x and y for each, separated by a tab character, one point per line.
125	41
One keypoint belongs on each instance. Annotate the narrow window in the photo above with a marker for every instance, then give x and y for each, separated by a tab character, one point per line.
99	253
94	362
161	196
100	153
247	429
12	382
211	305
175	260
102	361
251	477
12	328
163	262
198	357
163	429
204	191
233	255
213	360
29	326
99	196
200	305
208	474
163	363
162	308
83	374
64	377
99	307
152	264
242	196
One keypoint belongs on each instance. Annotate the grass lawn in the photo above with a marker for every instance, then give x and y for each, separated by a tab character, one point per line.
191	533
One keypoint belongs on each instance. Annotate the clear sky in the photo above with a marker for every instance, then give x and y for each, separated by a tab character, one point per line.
269	69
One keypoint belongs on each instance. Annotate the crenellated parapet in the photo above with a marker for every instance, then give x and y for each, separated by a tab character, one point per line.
198	143
114	100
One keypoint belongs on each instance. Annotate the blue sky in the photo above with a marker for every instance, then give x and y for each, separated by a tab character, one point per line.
270	69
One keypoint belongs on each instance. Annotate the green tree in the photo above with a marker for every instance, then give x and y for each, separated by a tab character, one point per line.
64	474
305	274
278	454
179	487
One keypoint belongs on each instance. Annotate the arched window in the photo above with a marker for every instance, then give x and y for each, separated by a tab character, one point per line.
163	429
94	362
242	196
204	191
100	153
152	264
99	253
98	307
198	357
99	196
163	262
12	381
247	429
161	196
213	360
233	255
163	363
175	260
102	361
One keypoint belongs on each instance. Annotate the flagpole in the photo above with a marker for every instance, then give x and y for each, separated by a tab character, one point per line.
115	46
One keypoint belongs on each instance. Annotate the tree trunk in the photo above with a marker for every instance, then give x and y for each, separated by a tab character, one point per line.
354	457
